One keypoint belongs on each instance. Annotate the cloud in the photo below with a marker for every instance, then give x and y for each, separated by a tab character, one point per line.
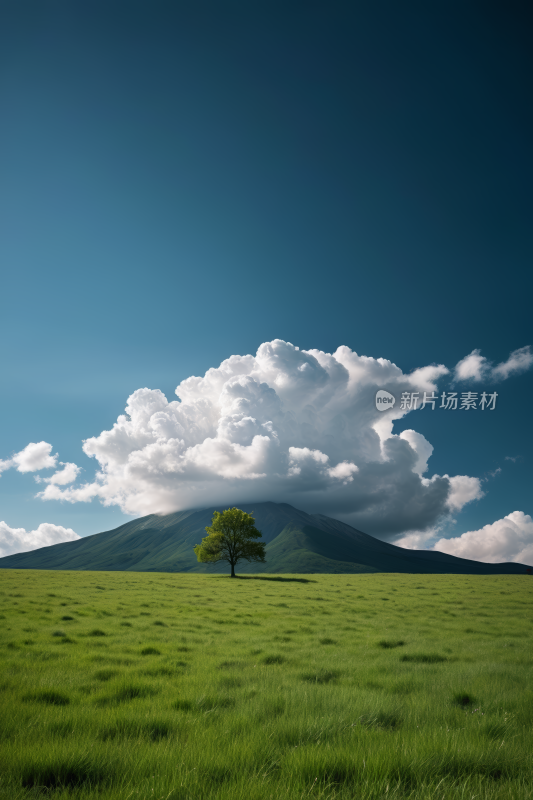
422	448
289	425
62	477
472	367
418	540
463	490
34	457
37	456
18	540
475	367
425	377
519	361
507	539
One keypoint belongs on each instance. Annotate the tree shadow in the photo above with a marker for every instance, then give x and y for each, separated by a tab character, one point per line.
264	578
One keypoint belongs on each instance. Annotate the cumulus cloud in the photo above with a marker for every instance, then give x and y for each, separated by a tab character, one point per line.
519	361
34	457
463	489
19	540
418	540
422	448
476	367
507	539
472	367
62	477
298	426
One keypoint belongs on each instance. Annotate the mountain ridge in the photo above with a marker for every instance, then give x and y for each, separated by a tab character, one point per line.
296	542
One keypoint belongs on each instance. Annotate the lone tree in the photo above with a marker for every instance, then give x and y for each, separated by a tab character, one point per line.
231	538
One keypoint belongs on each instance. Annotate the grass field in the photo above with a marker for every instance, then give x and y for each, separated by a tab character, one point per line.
152	685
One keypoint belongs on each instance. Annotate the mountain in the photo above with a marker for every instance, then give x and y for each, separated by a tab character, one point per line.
296	542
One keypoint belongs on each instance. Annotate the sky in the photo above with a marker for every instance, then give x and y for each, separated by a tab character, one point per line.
315	201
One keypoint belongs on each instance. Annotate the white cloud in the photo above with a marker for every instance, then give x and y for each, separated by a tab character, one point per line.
463	490
343	471
475	367
507	539
424	378
34	457
519	361
18	540
472	367
418	540
286	425
62	477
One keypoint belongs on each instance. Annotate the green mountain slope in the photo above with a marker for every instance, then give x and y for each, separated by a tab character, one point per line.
305	550
296	542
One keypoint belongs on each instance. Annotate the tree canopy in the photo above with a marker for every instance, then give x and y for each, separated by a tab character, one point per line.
231	537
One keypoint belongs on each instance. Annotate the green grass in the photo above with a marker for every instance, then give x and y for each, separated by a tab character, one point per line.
193	687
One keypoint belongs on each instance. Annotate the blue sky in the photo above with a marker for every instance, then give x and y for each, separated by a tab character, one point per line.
181	183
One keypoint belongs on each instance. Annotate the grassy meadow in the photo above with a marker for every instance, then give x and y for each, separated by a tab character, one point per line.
178	687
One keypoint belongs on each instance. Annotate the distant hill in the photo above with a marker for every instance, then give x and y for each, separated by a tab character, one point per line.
296	543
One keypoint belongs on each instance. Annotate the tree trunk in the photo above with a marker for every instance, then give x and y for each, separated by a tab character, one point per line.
233	571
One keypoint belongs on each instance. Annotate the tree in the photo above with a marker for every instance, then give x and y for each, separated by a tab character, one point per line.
231	538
